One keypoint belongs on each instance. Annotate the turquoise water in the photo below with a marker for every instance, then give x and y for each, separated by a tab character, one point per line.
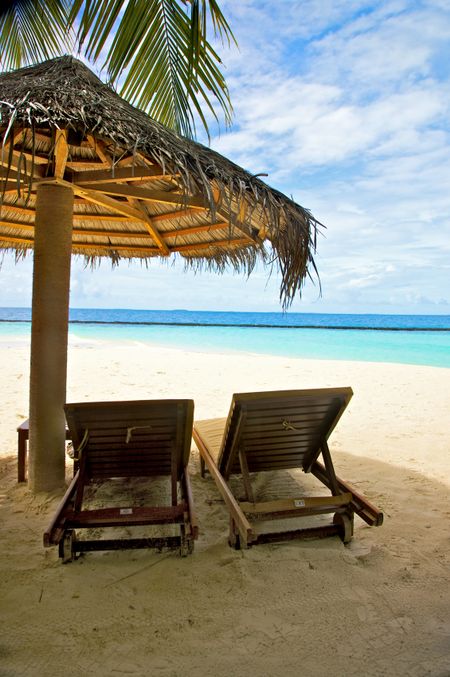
290	338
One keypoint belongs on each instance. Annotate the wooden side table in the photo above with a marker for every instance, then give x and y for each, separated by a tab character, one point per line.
23	433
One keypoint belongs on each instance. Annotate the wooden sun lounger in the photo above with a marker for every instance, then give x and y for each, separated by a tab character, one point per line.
133	439
281	430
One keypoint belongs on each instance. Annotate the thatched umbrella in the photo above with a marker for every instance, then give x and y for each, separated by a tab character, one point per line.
84	172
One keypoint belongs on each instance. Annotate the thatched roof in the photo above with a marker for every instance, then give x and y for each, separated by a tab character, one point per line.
141	190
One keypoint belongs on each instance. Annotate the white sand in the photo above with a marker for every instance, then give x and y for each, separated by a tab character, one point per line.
379	606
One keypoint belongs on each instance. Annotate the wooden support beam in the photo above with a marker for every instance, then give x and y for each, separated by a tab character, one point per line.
246	475
85	164
185	232
236	222
118	174
61	152
147	195
153	231
105	201
17	163
99	147
145	251
18	225
77	217
178	214
18	210
21	176
219	244
117	233
16	240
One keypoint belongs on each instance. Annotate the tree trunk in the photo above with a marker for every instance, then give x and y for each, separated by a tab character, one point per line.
49	332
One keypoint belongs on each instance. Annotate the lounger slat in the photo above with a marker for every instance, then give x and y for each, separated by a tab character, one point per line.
147	446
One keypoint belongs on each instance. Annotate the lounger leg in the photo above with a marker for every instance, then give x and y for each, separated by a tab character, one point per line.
202	466
344	520
235	539
187	542
66	546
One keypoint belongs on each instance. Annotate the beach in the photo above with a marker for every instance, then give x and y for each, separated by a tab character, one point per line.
378	606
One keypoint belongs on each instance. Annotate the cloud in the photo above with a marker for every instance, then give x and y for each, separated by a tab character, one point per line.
345	103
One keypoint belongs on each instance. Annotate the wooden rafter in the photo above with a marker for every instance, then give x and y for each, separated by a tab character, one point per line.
105	201
119	174
214	244
85	164
61	152
83	216
17	162
99	147
168	235
178	214
238	224
21	176
201	246
153	231
147	195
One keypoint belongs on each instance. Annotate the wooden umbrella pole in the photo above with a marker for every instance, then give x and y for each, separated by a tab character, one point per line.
49	333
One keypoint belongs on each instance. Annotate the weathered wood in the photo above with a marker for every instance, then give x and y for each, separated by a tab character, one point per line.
152	230
147	194
329	469
213	244
186	483
296	505
61	152
127	449
281	430
57	522
246	475
242	523
372	515
119	174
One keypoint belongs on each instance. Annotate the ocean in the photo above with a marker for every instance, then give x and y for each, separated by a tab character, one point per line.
406	339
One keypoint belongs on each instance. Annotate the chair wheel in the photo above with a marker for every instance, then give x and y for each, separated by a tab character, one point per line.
66	546
345	524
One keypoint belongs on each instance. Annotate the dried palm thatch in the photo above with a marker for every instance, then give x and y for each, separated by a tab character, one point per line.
140	189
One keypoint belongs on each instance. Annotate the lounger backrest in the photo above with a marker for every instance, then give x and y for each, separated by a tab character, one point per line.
280	429
132	439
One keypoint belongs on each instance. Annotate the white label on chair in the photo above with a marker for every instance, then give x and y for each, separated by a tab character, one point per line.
126	511
299	503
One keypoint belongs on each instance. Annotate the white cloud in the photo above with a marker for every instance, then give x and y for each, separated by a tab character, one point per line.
345	103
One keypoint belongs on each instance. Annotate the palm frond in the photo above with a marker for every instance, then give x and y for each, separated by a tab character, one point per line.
33	30
160	55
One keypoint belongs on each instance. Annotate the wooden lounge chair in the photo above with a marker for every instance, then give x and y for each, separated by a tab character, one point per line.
140	439
280	430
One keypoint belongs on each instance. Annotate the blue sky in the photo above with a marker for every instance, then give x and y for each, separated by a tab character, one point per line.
346	105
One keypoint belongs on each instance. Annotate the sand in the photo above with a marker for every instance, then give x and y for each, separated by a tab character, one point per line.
379	606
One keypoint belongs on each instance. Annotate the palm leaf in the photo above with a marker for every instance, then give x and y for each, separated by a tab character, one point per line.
159	55
33	30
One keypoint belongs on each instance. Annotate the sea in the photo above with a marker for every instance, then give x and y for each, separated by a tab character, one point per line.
404	339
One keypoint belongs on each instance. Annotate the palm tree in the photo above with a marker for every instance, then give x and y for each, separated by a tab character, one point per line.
157	51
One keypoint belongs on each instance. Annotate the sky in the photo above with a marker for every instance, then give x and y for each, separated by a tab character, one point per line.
345	104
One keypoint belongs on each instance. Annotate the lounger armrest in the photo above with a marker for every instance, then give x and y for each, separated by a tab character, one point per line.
54	533
364	508
242	524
